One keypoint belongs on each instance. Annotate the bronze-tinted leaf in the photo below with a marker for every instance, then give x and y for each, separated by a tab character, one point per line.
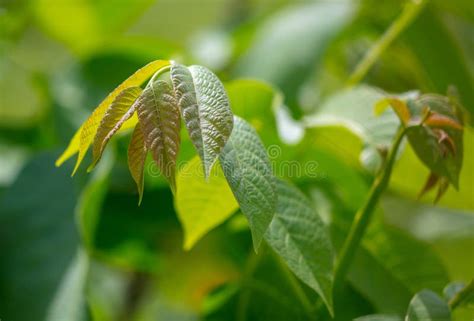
158	114
136	158
121	109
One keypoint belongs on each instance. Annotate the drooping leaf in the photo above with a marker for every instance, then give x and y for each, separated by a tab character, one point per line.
299	236
121	109
249	173
439	144
136	158
205	109
202	204
428	306
85	134
158	114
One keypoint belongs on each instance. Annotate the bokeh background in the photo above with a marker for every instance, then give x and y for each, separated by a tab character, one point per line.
80	248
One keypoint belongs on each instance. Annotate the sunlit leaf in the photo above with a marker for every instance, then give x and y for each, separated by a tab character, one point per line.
428	306
158	114
205	109
85	135
249	173
202	204
121	109
299	236
136	158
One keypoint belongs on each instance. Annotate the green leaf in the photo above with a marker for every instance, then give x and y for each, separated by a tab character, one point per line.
299	236
438	145
290	45
379	317
205	109
354	109
249	173
38	236
85	134
69	302
160	123
202	204
428	306
460	294
136	159
121	109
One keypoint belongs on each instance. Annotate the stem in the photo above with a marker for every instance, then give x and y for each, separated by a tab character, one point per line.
364	214
467	291
409	13
159	73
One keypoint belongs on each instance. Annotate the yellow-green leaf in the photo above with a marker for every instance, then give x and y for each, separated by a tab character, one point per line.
121	109
158	114
202	204
84	136
136	158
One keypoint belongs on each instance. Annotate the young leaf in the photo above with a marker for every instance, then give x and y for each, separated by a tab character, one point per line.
202	204
428	306
160	122
299	236
205	109
136	158
436	135
85	134
121	109
248	171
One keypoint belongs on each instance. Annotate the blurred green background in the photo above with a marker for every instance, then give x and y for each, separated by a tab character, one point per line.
81	248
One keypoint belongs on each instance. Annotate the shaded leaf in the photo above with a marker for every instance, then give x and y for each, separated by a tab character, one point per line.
38	238
160	123
85	134
299	236
432	145
248	171
121	109
202	204
379	317
136	158
290	45
428	306
205	109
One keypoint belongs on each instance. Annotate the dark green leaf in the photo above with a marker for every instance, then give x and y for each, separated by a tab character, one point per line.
205	109
249	173
299	236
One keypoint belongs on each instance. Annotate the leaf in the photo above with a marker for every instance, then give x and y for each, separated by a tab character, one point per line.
136	159
69	302
460	293
38	238
299	236
121	109
85	134
428	306
205	109
158	115
290	45
379	317
438	146
202	204
249	173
